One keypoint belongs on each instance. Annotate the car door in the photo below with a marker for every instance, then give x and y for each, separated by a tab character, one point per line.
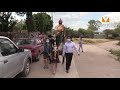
2	68
39	45
10	58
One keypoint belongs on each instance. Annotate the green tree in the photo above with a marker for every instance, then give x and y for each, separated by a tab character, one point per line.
82	31
108	33
29	20
68	31
94	25
21	25
42	22
7	22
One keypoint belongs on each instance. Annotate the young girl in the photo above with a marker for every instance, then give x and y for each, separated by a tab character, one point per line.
55	58
81	44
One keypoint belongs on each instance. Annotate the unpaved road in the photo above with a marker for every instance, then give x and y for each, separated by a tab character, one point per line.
95	62
109	45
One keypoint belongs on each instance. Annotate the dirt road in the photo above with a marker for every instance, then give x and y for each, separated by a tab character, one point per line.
95	62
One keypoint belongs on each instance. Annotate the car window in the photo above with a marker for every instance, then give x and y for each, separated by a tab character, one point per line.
25	42
6	47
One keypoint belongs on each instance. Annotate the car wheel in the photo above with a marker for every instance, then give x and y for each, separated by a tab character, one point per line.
26	70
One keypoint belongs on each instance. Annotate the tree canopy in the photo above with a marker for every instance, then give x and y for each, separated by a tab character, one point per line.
42	22
94	25
7	22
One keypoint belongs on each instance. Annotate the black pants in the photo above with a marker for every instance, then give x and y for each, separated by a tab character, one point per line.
68	60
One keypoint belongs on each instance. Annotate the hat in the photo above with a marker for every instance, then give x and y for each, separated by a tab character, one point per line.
60	21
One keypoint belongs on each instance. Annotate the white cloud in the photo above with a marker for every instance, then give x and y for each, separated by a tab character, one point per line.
17	17
70	19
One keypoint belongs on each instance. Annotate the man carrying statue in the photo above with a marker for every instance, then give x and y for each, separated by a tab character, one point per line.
60	37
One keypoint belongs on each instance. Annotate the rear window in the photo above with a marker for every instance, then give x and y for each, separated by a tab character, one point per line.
25	42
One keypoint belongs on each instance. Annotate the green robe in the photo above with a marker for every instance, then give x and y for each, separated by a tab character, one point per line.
59	39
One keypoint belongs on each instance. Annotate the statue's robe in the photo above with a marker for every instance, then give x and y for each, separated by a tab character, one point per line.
59	34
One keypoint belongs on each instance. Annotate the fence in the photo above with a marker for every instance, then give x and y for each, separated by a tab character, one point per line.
15	35
99	36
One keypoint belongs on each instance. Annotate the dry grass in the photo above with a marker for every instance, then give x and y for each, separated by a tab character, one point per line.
116	53
91	41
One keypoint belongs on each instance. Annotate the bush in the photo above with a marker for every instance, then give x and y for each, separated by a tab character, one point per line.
116	53
91	41
118	43
88	41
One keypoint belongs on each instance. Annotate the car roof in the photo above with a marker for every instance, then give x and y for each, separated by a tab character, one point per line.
4	37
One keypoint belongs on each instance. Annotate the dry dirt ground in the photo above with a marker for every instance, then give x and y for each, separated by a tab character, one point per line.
95	62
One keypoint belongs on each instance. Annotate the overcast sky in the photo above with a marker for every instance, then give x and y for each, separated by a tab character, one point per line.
77	20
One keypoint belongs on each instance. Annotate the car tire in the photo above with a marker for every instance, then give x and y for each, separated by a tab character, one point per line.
26	69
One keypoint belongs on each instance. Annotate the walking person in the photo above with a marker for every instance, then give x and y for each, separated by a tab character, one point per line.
68	52
81	44
51	45
46	52
55	58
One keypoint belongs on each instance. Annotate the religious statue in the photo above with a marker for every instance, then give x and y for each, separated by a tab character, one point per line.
59	33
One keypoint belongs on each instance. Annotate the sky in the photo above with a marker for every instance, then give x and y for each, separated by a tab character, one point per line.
76	20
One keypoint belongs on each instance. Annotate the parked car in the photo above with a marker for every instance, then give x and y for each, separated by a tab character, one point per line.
13	60
33	44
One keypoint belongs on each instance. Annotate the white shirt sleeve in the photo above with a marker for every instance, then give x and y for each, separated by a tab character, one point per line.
76	48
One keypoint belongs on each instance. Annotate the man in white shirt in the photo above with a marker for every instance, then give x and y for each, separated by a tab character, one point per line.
68	52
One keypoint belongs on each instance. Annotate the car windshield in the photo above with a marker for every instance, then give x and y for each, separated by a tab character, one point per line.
25	42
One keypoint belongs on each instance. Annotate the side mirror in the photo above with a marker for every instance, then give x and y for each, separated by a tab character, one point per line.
20	50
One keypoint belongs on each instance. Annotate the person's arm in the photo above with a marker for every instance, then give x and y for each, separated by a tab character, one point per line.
64	48
76	48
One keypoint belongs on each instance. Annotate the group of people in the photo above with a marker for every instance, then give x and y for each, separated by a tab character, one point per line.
51	52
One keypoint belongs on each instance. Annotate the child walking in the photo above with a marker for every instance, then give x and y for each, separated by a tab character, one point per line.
55	58
81	45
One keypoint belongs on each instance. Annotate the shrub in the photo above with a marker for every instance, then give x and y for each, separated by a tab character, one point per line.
116	53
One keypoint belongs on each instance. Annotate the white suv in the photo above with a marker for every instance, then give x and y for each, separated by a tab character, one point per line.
13	60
